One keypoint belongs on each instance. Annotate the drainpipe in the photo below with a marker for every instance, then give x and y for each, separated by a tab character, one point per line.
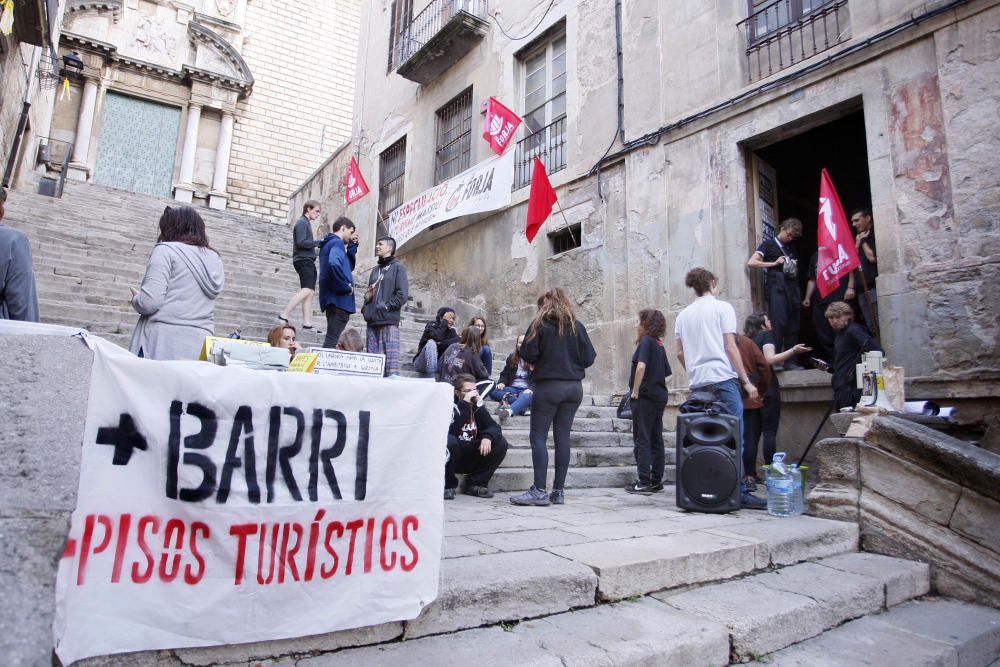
22	122
621	71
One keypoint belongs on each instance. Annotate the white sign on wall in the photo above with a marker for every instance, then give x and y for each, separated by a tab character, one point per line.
226	505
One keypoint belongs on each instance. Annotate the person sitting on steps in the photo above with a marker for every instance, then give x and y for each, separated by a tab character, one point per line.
485	352
463	357
476	446
442	333
513	390
283	336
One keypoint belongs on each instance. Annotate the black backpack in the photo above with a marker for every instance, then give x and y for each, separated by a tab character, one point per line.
703	401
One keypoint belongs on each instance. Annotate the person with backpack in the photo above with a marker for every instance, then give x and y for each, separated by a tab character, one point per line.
463	357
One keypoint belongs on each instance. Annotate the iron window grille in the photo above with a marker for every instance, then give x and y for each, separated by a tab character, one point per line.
548	145
392	167
544	69
411	33
781	33
400	18
454	137
566	239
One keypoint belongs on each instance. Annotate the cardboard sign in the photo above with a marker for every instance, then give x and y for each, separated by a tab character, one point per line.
303	362
342	362
225	505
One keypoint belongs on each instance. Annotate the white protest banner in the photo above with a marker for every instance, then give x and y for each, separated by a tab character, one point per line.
226	505
484	187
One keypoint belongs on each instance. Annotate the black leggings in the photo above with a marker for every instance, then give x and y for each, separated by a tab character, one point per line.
554	404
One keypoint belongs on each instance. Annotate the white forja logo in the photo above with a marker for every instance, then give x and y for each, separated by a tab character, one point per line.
501	129
496	124
350	179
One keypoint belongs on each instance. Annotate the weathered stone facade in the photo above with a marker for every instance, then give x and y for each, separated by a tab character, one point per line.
678	192
234	103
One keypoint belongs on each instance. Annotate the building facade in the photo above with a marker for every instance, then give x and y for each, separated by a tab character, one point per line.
225	103
676	135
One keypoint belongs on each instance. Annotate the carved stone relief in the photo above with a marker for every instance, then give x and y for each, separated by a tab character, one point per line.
226	7
152	36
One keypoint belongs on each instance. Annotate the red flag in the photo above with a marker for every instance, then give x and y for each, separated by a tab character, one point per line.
355	182
837	255
540	200
501	123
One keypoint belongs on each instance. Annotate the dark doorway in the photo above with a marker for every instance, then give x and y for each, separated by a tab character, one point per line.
839	146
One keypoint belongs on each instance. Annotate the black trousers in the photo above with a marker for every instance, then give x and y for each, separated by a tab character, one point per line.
824	332
336	322
846	395
647	440
465	459
784	307
554	405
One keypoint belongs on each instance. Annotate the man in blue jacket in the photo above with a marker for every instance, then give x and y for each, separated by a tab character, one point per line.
336	282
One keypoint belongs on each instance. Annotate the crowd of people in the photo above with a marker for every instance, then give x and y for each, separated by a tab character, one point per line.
542	377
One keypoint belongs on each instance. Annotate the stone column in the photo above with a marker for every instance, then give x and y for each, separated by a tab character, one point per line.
184	188
217	197
78	168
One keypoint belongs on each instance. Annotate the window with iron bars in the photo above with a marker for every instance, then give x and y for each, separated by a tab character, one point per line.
392	167
781	33
566	239
454	137
400	18
544	68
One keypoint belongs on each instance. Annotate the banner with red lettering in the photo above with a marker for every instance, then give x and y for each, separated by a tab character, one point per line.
837	256
226	505
501	124
356	188
484	187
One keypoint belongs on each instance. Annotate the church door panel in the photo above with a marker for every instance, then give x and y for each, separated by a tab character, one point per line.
137	146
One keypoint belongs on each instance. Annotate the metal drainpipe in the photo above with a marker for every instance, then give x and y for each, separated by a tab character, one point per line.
621	71
22	122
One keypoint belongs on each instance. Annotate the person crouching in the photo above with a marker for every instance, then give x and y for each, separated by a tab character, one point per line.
476	445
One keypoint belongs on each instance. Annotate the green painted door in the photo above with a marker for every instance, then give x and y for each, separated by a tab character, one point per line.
137	146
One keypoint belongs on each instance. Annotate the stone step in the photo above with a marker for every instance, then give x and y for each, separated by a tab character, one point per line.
602	477
584	457
497	588
920	633
519	438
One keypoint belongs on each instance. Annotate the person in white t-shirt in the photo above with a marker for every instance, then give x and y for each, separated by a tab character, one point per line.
706	347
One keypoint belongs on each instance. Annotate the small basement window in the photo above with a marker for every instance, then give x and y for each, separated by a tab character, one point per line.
565	239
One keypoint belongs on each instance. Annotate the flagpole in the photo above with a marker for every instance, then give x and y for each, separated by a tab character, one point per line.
866	303
569	227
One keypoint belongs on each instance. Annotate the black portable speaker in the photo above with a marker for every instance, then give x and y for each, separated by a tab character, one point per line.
708	462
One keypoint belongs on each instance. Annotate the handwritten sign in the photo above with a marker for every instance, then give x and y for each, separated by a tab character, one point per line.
303	362
342	362
225	505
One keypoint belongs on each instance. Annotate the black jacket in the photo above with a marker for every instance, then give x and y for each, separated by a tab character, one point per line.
558	358
485	426
509	374
457	359
391	295
442	334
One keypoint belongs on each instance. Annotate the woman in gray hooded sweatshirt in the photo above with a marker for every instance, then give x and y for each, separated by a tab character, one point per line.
176	301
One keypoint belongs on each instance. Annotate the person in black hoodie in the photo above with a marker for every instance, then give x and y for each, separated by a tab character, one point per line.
442	333
476	445
558	347
388	289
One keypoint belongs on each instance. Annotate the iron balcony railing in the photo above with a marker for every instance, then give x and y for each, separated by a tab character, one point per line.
548	145
787	32
432	19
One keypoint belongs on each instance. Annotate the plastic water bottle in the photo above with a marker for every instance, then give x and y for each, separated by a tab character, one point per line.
798	498
780	482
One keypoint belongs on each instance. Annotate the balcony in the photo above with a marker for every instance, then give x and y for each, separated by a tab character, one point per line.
548	145
786	32
441	35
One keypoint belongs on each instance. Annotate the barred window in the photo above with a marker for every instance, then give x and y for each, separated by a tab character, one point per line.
544	84
392	167
454	137
401	16
566	239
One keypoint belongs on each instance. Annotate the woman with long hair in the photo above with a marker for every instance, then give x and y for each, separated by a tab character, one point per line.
759	372
485	352
176	301
648	385
283	336
513	390
558	347
463	357
758	328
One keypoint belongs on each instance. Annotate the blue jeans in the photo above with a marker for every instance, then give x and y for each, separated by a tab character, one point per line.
729	393
486	354
518	398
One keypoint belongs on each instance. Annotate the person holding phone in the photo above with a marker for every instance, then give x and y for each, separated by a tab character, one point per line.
476	445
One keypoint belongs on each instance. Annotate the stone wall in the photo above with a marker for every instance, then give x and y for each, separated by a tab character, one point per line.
302	55
921	495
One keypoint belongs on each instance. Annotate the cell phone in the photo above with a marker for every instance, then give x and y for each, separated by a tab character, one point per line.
820	364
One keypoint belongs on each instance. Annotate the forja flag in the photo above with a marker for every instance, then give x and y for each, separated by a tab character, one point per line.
501	124
355	182
837	256
225	505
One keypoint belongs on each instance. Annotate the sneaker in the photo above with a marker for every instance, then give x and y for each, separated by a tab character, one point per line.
750	502
640	489
749	484
478	491
504	413
449	494
527	413
557	497
656	488
532	496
